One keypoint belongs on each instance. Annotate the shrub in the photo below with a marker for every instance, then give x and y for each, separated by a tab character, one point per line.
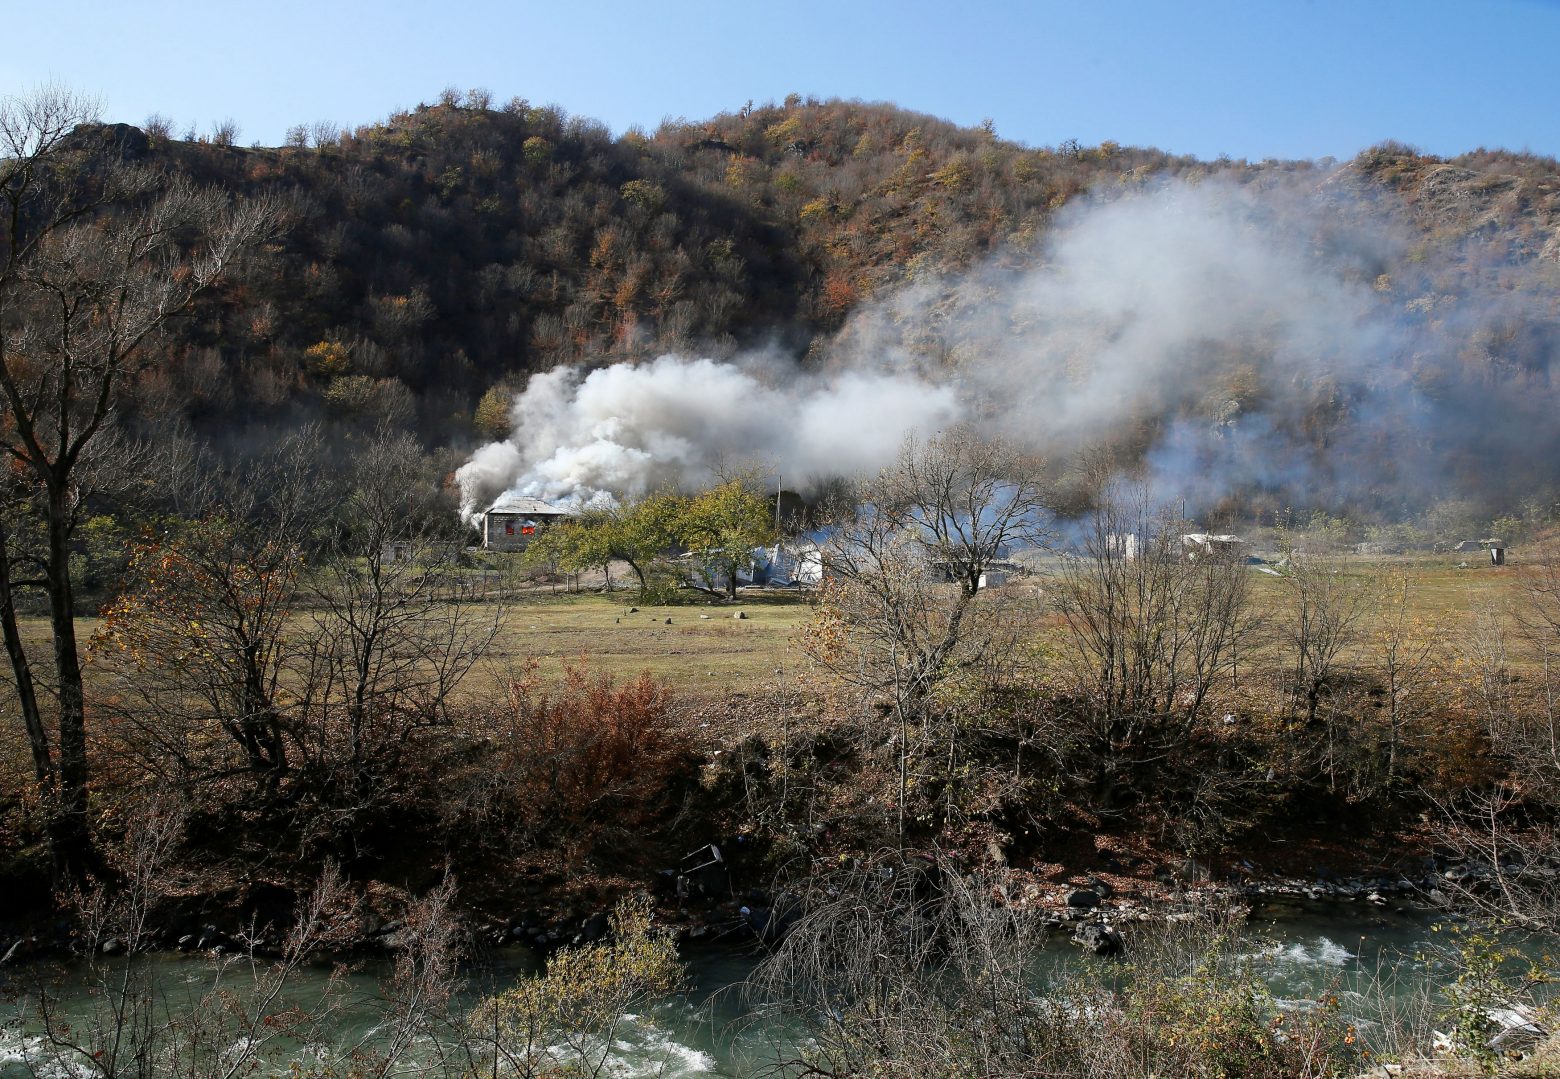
588	761
567	1021
1220	1024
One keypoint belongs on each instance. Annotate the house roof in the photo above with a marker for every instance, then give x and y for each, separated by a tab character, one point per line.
534	507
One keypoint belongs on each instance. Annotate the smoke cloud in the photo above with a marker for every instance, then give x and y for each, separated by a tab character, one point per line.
1291	342
625	430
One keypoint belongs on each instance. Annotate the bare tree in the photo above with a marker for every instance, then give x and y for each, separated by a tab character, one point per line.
947	510
902	968
394	626
198	640
1509	831
1153	628
1406	649
1326	605
901	610
1320	624
96	256
241	1020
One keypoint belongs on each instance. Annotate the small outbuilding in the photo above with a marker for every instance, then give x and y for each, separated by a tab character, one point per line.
1195	545
995	573
1125	546
514	520
788	565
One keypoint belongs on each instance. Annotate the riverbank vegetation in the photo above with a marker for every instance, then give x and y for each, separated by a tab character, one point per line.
278	703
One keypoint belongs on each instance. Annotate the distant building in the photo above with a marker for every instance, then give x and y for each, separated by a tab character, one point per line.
993	578
395	551
514	520
1122	545
799	564
995	573
1195	545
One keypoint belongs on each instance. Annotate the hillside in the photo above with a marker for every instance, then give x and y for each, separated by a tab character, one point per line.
455	249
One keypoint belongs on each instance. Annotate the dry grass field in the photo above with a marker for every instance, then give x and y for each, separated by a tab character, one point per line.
706	651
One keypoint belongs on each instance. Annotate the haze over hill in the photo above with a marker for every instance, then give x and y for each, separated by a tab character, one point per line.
803	283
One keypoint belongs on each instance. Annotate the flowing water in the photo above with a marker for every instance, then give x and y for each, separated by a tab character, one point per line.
1302	950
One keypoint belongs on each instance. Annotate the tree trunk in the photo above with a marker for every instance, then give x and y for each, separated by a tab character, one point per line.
21	669
69	830
644	586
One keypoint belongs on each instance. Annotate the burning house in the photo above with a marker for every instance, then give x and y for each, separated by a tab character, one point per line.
510	523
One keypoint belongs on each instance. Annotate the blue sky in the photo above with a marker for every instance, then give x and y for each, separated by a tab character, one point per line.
1255	79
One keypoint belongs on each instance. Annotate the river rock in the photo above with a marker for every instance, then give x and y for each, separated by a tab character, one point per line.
594	927
1097	938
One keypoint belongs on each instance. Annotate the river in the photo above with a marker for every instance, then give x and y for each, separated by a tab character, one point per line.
1302	950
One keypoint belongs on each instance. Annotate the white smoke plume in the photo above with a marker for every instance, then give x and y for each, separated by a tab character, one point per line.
625	430
1213	328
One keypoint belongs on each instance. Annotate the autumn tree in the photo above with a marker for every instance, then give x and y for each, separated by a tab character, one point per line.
575	544
568	1020
640	534
97	255
721	526
491	418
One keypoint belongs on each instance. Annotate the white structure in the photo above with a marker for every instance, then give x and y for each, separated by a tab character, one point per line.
1124	545
801	564
1195	545
993	578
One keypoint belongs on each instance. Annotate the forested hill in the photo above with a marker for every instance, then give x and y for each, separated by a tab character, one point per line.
455	248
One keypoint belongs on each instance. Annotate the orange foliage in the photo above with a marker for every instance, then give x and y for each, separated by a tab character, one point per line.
588	758
839	293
